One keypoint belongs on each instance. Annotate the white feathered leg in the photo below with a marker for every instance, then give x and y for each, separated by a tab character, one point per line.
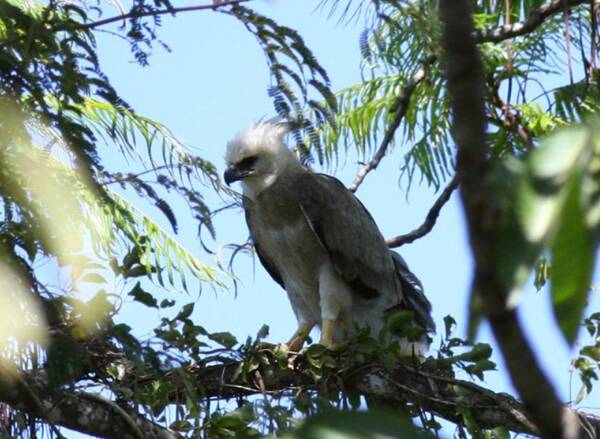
335	298
306	309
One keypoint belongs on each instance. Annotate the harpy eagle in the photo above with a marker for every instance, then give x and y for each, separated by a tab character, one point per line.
318	241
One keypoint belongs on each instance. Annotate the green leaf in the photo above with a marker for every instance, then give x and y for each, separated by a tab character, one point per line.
592	352
572	264
142	296
583	392
550	168
534	214
181	425
64	360
449	326
224	339
185	312
262	332
357	425
501	433
167	303
155	248
481	366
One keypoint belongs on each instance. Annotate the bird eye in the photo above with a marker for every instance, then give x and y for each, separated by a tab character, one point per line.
247	163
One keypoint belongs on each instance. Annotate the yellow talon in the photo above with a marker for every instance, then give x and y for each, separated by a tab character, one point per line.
327	333
299	337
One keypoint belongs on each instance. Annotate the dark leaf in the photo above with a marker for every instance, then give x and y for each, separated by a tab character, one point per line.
139	295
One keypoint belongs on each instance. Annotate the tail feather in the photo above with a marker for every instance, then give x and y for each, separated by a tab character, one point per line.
413	292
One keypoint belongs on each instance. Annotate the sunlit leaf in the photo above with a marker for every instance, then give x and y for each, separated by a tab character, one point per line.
572	264
357	425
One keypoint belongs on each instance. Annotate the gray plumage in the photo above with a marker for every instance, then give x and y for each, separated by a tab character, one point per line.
318	241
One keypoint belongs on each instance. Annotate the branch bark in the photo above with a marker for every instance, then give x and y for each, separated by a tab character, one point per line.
213	6
84	412
465	87
536	18
511	119
430	385
399	109
430	219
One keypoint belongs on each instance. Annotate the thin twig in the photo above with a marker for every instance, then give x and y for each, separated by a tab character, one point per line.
129	177
512	119
399	108
430	219
536	18
213	6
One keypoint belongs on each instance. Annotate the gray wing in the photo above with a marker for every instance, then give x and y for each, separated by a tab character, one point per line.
413	292
349	234
253	226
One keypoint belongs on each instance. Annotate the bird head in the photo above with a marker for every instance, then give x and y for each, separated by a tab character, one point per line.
257	156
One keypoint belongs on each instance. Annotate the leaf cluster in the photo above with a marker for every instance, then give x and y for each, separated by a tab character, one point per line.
295	71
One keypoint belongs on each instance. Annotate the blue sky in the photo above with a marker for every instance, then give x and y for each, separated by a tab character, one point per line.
212	84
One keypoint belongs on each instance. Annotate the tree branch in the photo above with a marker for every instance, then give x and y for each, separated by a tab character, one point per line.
501	33
512	120
84	412
213	6
430	385
430	219
496	34
536	18
399	109
465	86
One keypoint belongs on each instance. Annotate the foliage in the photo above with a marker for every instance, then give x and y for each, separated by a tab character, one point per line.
294	70
62	205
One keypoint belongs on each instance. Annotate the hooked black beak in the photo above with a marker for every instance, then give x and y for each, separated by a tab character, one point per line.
232	174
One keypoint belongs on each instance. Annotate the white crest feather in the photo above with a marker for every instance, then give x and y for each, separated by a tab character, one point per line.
264	141
263	137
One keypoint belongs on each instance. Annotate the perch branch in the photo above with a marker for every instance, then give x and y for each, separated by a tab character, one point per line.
78	411
429	385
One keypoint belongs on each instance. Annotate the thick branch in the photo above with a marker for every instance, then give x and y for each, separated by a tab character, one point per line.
84	412
213	6
430	385
465	87
430	219
399	109
535	19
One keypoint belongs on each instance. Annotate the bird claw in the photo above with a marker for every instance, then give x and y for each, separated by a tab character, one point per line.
295	344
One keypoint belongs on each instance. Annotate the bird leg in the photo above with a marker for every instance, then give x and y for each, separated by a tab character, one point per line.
327	333
299	337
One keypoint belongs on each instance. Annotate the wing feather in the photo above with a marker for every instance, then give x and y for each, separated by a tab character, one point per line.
254	231
349	234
